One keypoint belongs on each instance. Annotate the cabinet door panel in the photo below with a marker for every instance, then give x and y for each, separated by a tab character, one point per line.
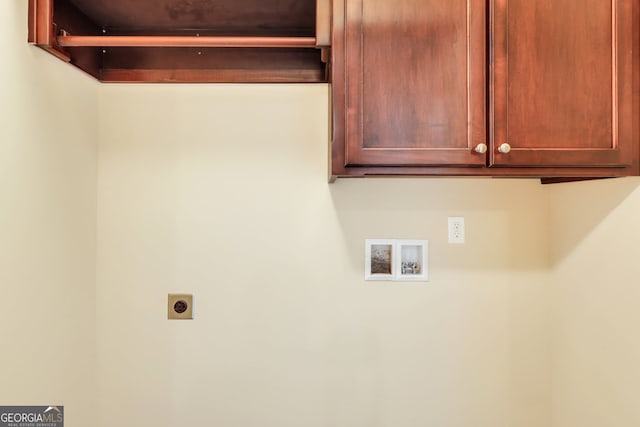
415	81
561	82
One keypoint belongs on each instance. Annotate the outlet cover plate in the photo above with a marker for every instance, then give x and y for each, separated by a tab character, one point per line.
456	229
180	306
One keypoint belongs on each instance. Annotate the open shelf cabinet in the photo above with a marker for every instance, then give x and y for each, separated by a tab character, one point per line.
199	41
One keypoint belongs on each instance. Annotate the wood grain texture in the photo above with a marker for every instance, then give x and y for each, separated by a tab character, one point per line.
225	17
561	82
415	82
185	41
225	75
197	41
323	22
212	65
40	15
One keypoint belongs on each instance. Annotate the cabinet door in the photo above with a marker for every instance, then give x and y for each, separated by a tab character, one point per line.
415	82
561	82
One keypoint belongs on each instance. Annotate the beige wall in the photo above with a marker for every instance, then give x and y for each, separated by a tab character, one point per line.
221	191
48	147
595	231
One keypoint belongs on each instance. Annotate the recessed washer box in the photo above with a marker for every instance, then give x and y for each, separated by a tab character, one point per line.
180	306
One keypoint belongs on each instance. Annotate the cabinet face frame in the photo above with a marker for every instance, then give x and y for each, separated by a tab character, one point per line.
356	154
620	150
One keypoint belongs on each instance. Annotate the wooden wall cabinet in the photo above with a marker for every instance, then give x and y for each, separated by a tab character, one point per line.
190	41
544	88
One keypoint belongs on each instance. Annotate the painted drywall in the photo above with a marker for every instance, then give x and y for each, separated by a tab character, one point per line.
221	191
596	345
48	167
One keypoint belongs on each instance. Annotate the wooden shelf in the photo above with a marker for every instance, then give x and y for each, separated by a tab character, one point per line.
185	41
231	41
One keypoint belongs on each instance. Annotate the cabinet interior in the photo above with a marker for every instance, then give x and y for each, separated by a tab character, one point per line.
187	40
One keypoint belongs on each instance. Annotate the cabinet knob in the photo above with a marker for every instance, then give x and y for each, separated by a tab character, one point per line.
481	148
504	148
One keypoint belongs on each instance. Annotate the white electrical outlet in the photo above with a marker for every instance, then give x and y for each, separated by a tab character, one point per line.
456	229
